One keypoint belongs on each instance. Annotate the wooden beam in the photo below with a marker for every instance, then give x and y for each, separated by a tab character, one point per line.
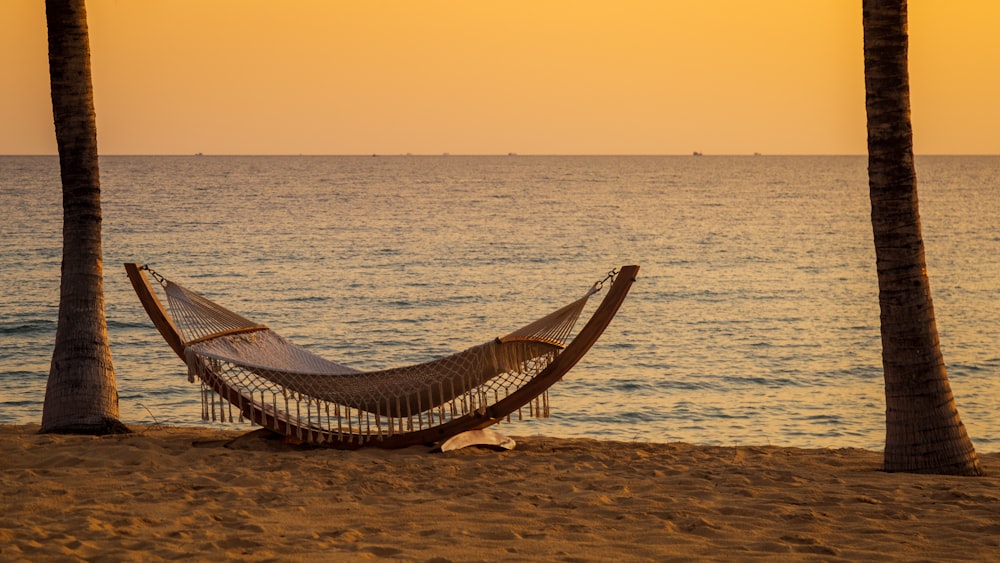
154	308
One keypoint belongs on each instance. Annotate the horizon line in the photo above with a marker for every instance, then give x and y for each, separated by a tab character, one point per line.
511	154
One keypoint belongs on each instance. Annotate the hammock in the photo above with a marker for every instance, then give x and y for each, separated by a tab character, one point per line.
289	390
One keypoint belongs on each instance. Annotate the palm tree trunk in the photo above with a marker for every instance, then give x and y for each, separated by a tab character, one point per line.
81	395
924	433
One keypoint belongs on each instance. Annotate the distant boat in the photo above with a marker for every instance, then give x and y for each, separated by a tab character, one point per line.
199	154
696	153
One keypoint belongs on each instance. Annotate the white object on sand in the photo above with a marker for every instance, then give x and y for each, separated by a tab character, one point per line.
482	437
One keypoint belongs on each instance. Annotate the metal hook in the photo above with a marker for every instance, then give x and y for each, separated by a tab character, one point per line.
159	279
599	285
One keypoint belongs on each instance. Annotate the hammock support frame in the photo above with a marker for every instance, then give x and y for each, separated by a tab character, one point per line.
294	427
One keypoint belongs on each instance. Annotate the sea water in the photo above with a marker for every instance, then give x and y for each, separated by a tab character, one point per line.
754	319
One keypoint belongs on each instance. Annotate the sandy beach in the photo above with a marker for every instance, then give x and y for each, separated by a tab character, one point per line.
167	493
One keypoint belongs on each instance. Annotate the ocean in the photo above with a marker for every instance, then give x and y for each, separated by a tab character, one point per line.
754	319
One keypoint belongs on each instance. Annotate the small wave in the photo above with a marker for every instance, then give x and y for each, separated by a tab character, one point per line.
22	375
772	382
687	385
959	370
308	299
824	419
27	327
630	386
116	325
25	403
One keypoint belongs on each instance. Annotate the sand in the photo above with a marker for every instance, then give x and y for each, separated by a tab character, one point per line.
186	492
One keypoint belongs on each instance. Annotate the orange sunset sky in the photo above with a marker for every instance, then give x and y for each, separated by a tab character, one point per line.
488	77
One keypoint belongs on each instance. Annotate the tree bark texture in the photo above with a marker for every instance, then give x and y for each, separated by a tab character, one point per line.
81	395
924	433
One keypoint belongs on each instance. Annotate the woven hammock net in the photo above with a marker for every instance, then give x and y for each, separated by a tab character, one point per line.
325	401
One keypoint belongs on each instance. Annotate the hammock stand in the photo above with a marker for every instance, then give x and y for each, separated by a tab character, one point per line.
530	361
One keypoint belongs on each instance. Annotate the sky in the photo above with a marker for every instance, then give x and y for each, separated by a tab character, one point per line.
488	77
